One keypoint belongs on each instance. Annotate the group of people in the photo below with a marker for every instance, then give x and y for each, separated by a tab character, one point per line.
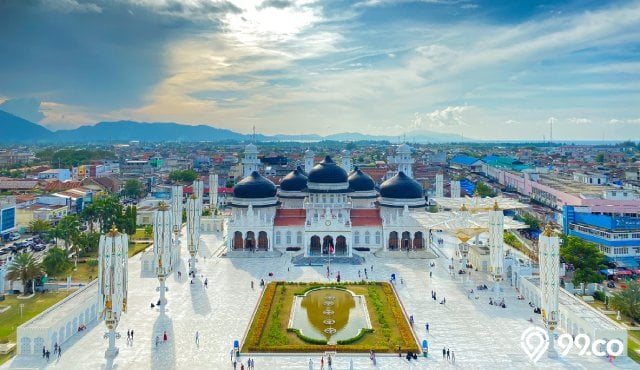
448	355
56	350
165	337
250	364
497	303
130	336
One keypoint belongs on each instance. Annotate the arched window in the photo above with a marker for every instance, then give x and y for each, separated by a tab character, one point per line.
356	238
288	237
299	238
378	237
367	238
278	235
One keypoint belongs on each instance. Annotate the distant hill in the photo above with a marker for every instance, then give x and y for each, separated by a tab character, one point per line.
156	131
14	129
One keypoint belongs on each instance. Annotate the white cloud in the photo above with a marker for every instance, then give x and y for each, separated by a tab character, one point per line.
69	6
511	122
579	121
447	117
615	121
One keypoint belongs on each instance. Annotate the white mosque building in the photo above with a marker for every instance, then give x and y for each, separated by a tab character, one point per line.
326	209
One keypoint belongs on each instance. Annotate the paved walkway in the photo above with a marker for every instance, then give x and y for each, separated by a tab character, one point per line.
482	336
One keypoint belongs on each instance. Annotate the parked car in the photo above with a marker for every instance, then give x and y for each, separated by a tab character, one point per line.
611	284
13	237
38	247
4	251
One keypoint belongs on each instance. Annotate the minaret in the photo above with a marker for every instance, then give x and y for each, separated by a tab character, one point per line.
549	259
112	283
346	160
496	245
439	185
213	192
162	246
250	161
404	160
308	160
193	229
455	189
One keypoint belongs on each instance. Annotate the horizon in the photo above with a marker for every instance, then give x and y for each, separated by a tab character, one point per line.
531	72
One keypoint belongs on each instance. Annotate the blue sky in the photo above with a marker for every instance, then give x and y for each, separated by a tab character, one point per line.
500	70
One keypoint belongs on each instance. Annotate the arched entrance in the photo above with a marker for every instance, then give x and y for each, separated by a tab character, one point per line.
406	240
341	246
237	240
263	241
314	247
250	241
418	240
327	243
393	240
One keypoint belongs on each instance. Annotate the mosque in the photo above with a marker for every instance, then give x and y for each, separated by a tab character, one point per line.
326	208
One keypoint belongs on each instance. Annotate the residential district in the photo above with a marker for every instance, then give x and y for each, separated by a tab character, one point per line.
539	238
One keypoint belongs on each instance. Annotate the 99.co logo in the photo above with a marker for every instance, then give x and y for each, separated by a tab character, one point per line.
599	347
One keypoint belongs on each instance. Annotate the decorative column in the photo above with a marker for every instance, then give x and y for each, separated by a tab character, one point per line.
455	189
176	211
213	192
346	161
496	245
549	259
193	228
112	283
198	190
439	185
162	246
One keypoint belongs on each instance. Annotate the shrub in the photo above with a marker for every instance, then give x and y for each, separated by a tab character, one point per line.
357	337
599	295
307	339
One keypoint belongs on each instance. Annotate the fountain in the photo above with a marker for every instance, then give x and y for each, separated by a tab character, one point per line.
330	314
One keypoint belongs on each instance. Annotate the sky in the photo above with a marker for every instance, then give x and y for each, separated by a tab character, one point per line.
488	70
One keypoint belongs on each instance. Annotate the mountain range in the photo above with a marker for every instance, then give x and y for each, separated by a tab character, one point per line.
14	129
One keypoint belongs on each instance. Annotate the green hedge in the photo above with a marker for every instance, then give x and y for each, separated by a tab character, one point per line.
307	339
356	338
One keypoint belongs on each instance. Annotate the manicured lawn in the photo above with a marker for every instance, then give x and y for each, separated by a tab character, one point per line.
11	318
268	329
631	350
137	248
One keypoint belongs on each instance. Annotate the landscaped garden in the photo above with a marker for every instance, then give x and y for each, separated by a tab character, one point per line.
269	330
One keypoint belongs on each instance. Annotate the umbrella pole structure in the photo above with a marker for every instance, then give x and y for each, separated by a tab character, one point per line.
163	246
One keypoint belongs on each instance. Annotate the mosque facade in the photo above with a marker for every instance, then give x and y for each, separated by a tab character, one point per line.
326	208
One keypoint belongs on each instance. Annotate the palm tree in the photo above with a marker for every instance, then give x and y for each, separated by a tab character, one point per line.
26	268
39	226
628	301
56	262
67	229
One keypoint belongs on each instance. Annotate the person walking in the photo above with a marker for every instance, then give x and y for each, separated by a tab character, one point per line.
197	337
411	321
444	353
231	354
322	363
448	355
157	341
128	336
164	337
206	283
59	351
131	335
426	326
234	365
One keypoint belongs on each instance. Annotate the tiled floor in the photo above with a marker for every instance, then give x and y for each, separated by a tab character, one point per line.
482	336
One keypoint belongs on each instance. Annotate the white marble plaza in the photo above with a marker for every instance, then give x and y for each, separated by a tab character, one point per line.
482	336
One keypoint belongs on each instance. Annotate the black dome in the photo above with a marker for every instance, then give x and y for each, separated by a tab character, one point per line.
401	186
360	181
294	181
327	172
254	186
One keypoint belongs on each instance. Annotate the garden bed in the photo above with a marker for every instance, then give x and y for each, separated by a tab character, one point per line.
268	329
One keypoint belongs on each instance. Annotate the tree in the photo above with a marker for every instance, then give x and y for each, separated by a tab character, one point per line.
531	221
148	231
628	301
86	244
600	158
26	268
39	226
585	257
56	262
108	211
183	175
484	190
133	189
67	229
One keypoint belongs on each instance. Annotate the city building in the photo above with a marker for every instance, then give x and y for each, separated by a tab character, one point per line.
60	174
7	215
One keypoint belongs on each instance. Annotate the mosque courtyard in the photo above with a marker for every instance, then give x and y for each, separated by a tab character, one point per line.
481	336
